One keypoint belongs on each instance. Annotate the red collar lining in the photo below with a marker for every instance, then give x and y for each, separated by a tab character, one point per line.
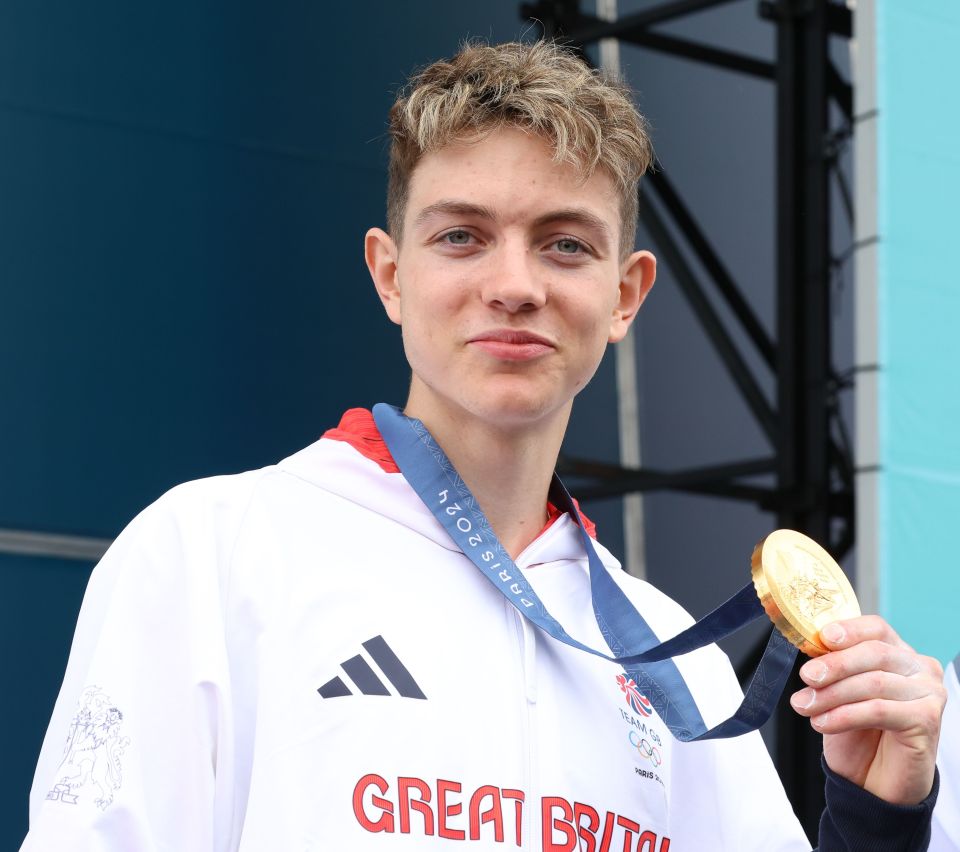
358	429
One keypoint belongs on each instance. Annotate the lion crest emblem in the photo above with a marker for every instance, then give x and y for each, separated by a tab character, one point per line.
91	757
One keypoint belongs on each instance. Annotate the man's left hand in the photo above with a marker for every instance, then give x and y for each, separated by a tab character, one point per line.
878	704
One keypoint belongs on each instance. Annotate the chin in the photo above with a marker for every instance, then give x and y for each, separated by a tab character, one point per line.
502	401
511	408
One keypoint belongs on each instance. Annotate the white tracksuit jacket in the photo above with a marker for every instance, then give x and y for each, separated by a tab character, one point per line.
946	815
299	658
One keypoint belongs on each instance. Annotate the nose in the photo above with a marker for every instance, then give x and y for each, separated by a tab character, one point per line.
515	283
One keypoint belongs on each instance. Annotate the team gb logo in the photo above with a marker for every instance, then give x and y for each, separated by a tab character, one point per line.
635	699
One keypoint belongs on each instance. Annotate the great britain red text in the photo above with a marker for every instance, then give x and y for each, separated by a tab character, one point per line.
490	813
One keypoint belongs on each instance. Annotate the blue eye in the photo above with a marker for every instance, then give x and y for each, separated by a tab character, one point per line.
568	246
457	238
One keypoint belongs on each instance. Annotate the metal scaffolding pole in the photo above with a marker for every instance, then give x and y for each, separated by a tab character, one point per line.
803	331
628	387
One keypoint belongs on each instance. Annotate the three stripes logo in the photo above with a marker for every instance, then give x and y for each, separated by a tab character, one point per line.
363	676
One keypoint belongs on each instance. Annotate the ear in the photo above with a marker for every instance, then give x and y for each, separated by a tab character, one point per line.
380	252
637	274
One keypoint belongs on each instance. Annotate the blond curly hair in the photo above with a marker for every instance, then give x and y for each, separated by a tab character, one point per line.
588	118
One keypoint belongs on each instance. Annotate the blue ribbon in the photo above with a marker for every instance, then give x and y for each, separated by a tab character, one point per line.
633	645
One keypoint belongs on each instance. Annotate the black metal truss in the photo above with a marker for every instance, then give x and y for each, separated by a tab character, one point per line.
811	464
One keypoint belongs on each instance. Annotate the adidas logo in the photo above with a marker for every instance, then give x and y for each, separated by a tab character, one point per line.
366	679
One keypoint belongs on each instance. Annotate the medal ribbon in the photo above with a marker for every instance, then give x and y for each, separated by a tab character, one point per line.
633	643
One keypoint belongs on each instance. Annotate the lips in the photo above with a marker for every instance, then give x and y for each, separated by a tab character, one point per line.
512	344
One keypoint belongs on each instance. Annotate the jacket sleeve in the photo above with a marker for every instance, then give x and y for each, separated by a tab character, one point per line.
857	821
141	728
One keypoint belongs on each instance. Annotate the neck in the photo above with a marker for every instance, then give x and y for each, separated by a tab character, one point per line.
508	470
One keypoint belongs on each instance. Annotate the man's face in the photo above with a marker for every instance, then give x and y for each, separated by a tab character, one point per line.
508	282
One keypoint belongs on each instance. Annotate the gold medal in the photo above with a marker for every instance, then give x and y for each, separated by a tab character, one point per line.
801	588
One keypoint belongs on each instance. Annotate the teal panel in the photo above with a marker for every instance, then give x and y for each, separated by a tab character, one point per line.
919	298
920	582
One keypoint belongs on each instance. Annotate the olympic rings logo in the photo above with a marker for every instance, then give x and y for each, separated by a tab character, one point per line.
646	750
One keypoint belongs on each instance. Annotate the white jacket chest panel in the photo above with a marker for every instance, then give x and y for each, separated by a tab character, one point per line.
231	624
513	725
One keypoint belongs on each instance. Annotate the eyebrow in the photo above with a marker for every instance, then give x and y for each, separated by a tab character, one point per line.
576	215
450	207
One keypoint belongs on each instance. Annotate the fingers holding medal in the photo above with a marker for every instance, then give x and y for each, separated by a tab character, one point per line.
865	679
878	704
876	700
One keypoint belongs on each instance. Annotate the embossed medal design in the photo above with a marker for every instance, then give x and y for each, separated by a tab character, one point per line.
801	587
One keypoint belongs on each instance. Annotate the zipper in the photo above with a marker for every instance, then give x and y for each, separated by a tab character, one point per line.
526	638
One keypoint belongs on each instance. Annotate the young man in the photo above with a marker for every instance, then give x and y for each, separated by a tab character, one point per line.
302	657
